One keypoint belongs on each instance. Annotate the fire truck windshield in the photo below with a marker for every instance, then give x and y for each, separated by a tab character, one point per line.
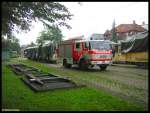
100	45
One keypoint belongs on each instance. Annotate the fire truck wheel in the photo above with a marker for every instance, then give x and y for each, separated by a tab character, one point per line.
103	67
82	65
69	65
65	64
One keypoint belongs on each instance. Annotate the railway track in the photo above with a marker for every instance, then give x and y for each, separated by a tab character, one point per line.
41	81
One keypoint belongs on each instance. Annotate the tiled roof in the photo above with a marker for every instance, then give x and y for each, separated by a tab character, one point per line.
129	27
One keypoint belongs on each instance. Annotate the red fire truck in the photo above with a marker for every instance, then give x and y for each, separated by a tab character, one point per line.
85	53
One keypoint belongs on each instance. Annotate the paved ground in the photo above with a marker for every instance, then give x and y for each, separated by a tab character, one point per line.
126	81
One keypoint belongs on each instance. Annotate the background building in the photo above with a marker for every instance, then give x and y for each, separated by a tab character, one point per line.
124	31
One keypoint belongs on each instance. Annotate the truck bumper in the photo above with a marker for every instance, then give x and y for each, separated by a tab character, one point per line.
100	62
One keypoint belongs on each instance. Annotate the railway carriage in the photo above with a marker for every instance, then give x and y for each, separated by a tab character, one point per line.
46	52
133	51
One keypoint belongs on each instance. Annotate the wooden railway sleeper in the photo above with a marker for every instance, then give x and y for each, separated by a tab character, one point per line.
34	79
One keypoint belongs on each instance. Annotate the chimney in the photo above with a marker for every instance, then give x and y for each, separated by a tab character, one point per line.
134	22
143	23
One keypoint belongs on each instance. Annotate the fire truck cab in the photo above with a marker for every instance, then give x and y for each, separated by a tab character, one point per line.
85	53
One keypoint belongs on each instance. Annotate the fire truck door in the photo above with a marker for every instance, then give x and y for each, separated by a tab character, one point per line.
77	51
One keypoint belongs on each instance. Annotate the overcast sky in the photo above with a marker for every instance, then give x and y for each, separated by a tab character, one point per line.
94	17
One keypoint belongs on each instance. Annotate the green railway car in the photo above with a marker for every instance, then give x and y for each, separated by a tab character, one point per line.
31	52
46	52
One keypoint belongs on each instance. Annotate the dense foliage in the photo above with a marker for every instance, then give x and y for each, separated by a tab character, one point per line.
31	44
52	34
11	44
19	15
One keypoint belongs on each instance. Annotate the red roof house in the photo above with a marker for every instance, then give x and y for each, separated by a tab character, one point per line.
124	30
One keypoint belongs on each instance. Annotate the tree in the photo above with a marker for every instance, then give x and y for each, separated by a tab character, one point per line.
21	15
53	34
5	44
31	44
114	36
11	44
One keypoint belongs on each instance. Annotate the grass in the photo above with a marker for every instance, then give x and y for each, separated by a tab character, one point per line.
123	80
16	95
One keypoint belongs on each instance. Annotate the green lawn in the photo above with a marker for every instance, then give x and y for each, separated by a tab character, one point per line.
17	95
